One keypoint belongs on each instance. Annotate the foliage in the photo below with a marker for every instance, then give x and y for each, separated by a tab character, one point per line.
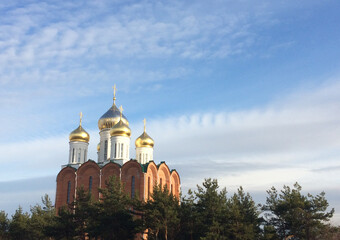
205	214
19	227
114	218
295	214
162	214
4	225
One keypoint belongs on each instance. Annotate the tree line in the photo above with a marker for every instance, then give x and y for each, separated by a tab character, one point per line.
207	213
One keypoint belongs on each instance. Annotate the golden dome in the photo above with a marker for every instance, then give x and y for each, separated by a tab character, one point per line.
112	116
144	140
98	147
79	134
120	129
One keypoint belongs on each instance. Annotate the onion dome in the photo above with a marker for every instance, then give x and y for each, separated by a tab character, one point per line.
79	134
144	140
121	128
112	116
98	147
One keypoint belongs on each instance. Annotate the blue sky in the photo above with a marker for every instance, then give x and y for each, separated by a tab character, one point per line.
244	91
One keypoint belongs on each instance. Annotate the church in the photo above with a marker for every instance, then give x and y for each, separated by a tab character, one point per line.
138	175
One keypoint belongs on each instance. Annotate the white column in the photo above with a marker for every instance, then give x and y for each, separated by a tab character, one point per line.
76	149
105	145
144	154
120	149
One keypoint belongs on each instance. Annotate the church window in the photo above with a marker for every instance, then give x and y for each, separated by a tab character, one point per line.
73	155
90	184
79	155
115	156
121	150
133	187
160	182
140	157
68	191
105	150
85	156
148	187
171	188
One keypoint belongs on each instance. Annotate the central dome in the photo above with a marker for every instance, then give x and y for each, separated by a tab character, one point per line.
111	118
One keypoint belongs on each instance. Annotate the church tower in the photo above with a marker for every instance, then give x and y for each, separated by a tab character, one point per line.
79	142
120	141
144	147
105	123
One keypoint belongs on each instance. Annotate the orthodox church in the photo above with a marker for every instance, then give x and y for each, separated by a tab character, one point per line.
138	175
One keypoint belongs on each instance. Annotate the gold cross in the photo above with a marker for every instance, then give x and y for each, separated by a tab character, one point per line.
81	117
144	124
114	93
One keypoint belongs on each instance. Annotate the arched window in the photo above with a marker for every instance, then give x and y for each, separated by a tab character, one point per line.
160	183
105	150
140	157
133	187
90	184
73	155
171	188
68	191
115	156
148	187
85	156
121	150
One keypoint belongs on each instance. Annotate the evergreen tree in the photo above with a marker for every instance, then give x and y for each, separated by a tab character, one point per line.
4	225
294	214
19	227
212	211
63	226
115	213
41	218
162	214
244	221
188	216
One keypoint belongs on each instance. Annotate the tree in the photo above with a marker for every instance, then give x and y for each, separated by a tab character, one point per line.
244	220
4	225
19	227
162	214
294	214
41	218
212	212
115	213
188	216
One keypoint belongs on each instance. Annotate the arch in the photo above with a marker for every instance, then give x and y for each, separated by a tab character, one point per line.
175	183
110	169
130	169
84	172
164	175
151	179
65	186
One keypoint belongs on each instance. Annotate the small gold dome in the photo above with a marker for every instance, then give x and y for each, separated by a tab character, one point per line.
79	135
98	147
120	129
144	140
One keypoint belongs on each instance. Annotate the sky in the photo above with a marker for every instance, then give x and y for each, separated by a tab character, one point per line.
247	92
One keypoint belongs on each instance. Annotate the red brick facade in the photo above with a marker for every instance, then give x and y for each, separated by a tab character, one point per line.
134	176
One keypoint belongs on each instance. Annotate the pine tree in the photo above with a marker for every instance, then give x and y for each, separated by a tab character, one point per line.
162	214
294	214
4	226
